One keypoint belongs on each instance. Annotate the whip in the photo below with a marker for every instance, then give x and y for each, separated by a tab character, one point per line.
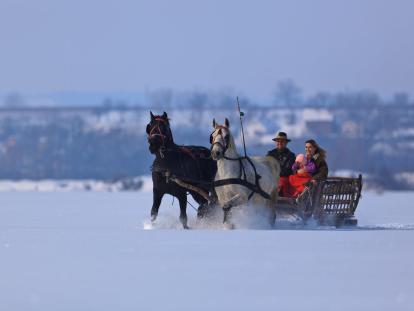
241	114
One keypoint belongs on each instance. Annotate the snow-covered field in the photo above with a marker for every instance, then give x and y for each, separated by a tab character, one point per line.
90	251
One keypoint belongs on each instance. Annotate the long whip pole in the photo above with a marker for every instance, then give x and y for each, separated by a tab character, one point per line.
241	114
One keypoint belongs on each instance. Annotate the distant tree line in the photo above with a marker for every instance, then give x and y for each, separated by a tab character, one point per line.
286	94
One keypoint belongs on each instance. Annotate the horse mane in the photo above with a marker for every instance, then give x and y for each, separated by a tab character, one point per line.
232	143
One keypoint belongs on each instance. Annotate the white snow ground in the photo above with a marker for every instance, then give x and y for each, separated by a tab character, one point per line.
89	251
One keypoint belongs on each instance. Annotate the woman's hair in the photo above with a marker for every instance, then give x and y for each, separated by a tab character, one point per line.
318	149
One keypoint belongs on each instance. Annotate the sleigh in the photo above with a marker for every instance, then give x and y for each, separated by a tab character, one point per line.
331	202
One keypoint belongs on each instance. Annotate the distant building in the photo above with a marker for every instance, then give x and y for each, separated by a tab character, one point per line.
318	122
319	128
351	129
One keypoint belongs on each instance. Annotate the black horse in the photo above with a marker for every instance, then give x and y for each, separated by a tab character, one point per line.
192	164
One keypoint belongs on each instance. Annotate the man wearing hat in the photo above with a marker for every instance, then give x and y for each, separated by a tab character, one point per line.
286	159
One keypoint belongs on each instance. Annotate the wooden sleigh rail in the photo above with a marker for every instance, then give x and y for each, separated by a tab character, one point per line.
333	201
340	194
338	198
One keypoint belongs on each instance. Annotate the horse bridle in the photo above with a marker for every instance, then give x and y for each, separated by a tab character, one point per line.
155	130
225	139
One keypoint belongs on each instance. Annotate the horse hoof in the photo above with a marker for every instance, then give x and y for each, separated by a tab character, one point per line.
201	213
228	226
186	227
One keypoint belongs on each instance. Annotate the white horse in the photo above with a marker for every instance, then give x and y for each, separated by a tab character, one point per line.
242	179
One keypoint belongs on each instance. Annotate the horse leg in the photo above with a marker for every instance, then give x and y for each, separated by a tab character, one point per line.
226	216
236	200
156	202
271	204
182	198
227	219
203	206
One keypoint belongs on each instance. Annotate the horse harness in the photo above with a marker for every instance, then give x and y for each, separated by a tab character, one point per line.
242	179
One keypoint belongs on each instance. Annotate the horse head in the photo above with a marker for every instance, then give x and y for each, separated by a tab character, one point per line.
159	132
221	140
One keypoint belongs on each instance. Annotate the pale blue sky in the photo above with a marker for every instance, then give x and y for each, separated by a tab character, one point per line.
247	46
